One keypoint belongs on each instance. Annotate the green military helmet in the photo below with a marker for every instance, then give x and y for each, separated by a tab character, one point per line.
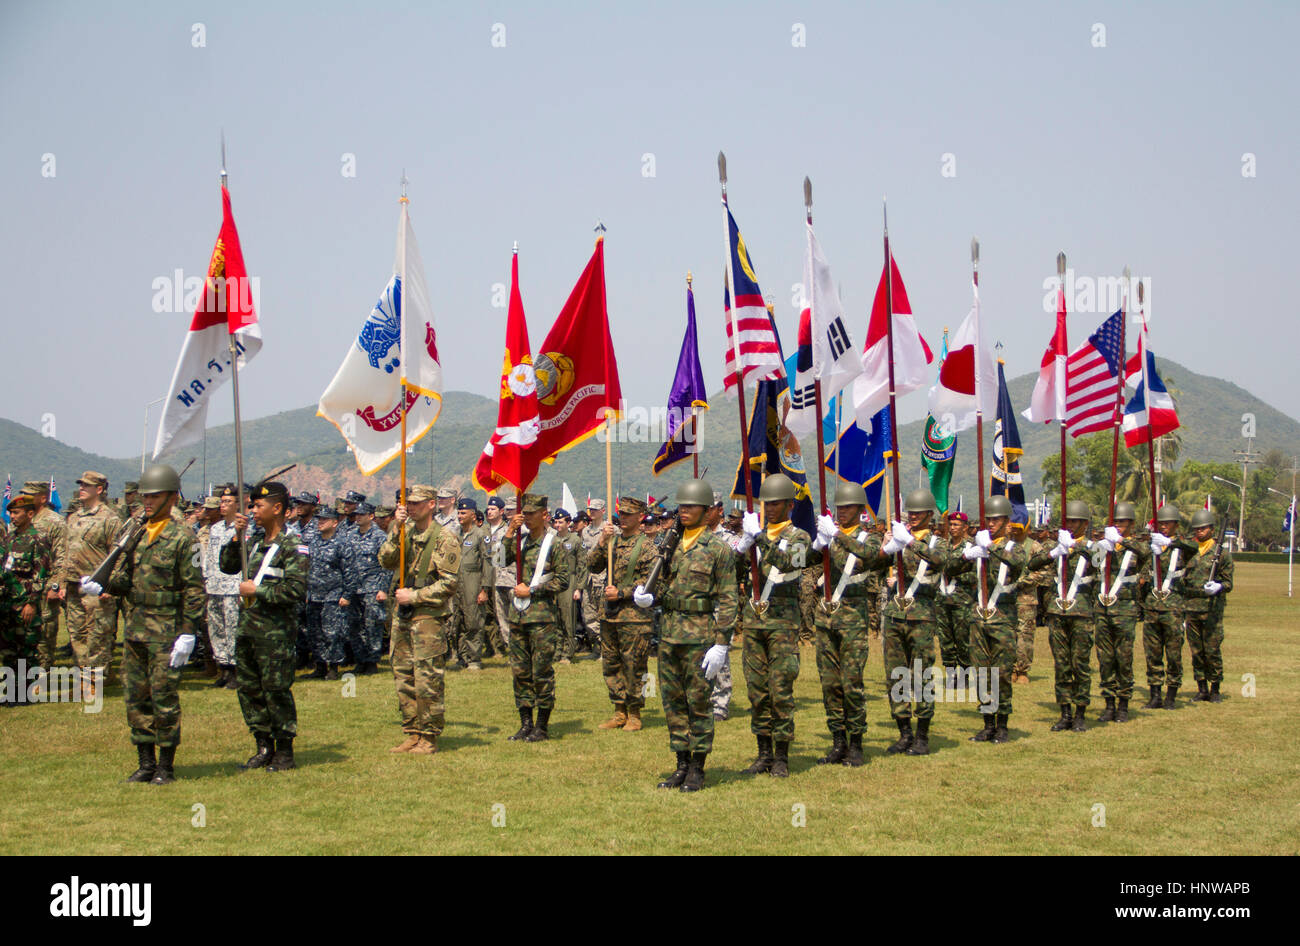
1077	509
850	494
775	488
695	493
160	478
1168	513
919	500
1202	517
1125	511
998	507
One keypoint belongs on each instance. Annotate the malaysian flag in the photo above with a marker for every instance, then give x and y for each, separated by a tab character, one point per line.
1092	373
750	335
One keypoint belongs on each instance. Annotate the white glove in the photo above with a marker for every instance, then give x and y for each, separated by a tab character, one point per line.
743	544
1212	588
181	650
972	552
890	546
1106	545
826	528
1160	542
89	587
900	534
642	597
1064	539
523	529
1113	536
1058	552
820	542
750	525
715	658
983	539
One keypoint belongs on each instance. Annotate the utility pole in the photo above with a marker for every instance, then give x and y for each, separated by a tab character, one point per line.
1247	457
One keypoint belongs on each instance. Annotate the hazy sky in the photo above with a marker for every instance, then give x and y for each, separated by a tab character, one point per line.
1127	153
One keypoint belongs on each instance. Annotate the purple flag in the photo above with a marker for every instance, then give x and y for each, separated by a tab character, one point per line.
687	393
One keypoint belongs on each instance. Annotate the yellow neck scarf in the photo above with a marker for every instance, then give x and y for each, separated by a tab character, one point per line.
774	529
1206	546
153	529
689	537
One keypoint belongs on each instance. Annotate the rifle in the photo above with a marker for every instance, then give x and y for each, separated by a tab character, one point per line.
126	542
1218	547
665	556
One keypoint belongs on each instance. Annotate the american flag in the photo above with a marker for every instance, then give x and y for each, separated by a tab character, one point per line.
1091	376
750	332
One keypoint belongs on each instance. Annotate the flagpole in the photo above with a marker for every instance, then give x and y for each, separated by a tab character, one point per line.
1006	466
1064	397
234	387
979	417
1151	440
893	409
817	405
695	423
755	578
1115	426
401	356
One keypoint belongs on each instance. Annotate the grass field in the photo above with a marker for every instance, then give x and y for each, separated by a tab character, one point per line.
1205	779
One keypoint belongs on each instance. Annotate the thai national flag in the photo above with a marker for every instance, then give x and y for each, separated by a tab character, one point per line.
1150	412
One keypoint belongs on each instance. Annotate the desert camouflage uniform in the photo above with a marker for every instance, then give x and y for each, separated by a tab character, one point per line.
593	590
92	630
1204	612
223	596
625	634
843	644
52	528
1070	627
475	570
534	632
770	652
1115	625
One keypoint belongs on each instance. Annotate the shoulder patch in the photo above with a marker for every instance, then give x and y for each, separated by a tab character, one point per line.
303	550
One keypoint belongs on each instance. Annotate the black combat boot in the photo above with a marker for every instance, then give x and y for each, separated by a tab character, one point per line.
282	760
1171	698
231	682
147	763
781	761
163	774
1154	702
539	733
1214	693
853	757
319	673
259	759
1000	734
219	680
1202	692
1077	725
1062	724
985	734
1108	714
904	737
921	744
695	772
1121	712
764	761
679	775
839	748
332	673
525	724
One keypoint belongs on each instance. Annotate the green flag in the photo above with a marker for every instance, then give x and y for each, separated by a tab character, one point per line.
938	454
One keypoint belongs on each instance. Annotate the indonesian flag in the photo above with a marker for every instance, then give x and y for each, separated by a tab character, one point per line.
1048	400
511	455
397	346
225	309
911	353
955	400
1150	412
577	373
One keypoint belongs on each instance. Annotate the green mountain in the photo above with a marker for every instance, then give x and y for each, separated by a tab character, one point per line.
1211	411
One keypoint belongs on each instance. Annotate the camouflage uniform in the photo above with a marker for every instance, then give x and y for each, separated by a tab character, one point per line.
475	570
571	545
625	638
91	630
993	633
161	580
1162	616
28	563
535	630
1115	625
1204	612
771	648
365	578
699	597
954	606
501	584
1027	607
328	574
720	693
593	591
842	642
1069	623
51	527
419	650
223	596
909	630
265	651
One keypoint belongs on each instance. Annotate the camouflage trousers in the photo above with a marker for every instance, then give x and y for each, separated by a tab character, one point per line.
624	655
720	691
1162	642
499	637
873	614
91	630
1115	631
952	626
45	648
1027	612
842	650
909	654
152	689
568	618
264	669
18	641
993	651
223	623
1205	639
1070	638
419	657
327	629
593	604
532	664
366	633
684	692
770	655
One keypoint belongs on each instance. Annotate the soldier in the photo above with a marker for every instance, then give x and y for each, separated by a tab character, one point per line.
384	520
92	622
771	648
51	528
570	546
1205	588
842	642
1115	611
625	556
159	575
475	571
348	510
698	593
1027	588
264	644
534	615
129	507
28	564
503	580
367	585
956	598
593	592
993	625
1162	624
222	591
328	585
1069	615
446	509
720	693
427	586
